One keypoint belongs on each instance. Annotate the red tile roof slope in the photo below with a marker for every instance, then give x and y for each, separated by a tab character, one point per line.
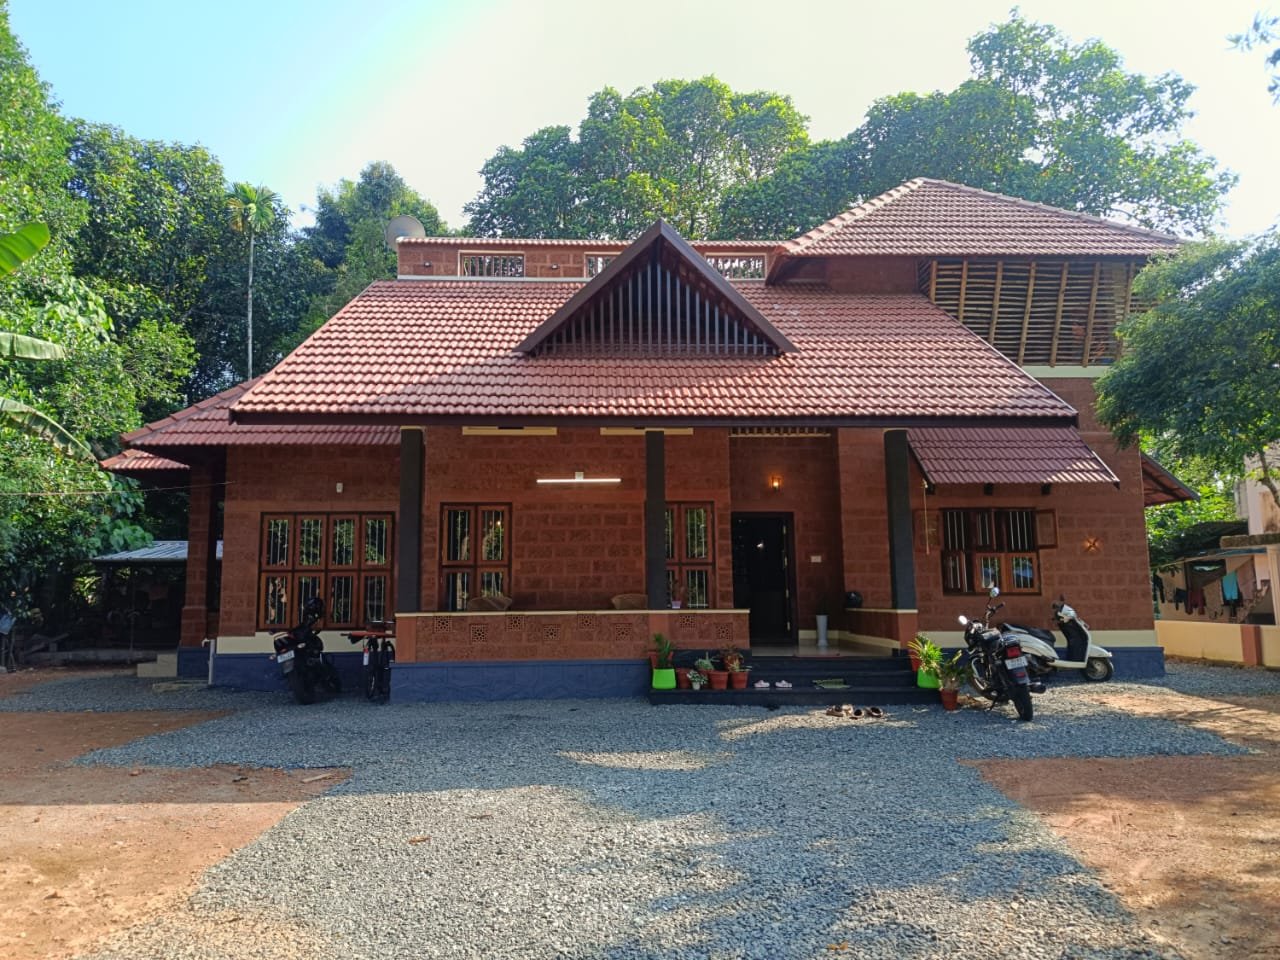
207	424
937	218
1007	455
412	349
130	462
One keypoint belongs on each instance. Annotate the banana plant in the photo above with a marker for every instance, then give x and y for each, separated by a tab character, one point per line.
15	249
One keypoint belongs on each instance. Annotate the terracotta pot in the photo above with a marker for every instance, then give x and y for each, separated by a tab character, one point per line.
949	698
915	662
738	680
719	679
653	661
682	678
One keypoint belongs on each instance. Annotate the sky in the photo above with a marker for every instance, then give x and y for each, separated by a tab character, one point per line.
297	95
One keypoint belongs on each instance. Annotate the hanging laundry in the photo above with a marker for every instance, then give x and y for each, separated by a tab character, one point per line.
1230	587
1157	587
1180	597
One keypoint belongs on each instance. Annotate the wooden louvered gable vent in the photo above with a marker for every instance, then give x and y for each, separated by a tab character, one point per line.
658	297
1036	312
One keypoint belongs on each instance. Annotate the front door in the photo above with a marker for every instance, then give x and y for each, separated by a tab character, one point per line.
762	575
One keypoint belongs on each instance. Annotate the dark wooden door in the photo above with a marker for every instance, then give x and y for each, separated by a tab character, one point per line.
762	575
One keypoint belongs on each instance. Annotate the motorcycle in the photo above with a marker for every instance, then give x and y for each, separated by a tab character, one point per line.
1082	653
300	653
999	667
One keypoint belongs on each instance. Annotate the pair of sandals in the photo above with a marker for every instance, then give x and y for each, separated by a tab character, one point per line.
850	712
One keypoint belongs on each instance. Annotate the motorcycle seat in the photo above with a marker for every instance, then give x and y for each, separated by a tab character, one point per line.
1036	632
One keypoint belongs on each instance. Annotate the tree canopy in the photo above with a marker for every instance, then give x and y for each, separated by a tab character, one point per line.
1200	371
1040	118
671	150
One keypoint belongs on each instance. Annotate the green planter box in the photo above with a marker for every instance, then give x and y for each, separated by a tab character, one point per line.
664	679
927	680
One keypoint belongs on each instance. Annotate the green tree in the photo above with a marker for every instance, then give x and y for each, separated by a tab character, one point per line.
1200	371
671	150
15	249
347	239
1040	118
250	210
1263	32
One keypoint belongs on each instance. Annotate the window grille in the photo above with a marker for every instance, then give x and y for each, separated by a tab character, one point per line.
986	548
475	553
492	264
344	558
597	262
738	266
690	534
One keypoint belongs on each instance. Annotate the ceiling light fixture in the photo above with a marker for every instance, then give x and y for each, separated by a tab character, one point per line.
579	477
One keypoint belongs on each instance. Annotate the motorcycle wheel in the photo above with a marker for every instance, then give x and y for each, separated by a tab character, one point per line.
1022	703
1098	669
388	658
332	681
301	687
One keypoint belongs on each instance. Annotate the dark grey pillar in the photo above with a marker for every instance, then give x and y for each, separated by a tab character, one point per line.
409	538
655	518
902	561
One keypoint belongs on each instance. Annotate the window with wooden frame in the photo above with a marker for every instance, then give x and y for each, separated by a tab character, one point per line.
475	552
595	262
690	539
991	547
343	557
491	264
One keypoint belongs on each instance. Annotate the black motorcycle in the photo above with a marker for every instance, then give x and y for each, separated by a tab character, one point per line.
303	663
999	665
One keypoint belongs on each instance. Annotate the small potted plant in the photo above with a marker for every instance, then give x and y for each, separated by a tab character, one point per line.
731	657
716	679
952	673
926	655
697	679
664	676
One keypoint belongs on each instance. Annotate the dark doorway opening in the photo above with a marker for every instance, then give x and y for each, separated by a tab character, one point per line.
763	575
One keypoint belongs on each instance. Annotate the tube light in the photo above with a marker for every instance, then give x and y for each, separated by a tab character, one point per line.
579	477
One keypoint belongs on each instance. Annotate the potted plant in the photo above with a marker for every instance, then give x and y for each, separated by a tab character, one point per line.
927	656
731	657
716	679
664	676
952	673
682	678
697	679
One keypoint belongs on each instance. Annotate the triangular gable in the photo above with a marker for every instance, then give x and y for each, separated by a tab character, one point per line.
657	296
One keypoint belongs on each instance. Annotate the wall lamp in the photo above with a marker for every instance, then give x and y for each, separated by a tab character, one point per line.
579	477
1092	544
775	482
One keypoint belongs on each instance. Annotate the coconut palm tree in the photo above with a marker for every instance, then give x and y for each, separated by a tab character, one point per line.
14	249
250	210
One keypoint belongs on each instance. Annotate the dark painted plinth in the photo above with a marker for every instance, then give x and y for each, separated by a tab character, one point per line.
258	671
519	680
193	662
1137	663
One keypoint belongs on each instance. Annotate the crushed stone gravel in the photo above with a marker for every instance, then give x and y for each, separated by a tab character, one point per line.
613	829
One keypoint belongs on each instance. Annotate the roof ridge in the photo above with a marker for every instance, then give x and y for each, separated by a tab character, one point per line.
1050	208
858	212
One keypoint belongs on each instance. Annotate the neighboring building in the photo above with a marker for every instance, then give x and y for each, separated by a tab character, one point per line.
898	403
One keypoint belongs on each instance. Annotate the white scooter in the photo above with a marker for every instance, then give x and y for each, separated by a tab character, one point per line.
1082	653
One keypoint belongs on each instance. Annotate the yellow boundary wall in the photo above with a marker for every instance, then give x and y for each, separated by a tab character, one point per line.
1221	642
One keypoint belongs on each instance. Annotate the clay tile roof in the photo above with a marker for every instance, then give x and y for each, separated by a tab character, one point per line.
936	218
516	243
408	351
141	463
1007	455
1161	486
207	424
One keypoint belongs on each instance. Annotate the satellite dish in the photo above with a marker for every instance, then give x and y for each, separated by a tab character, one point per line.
402	226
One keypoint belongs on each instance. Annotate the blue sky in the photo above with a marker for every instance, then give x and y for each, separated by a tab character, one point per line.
299	94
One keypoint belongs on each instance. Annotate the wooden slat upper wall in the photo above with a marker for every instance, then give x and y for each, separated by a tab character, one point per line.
1042	312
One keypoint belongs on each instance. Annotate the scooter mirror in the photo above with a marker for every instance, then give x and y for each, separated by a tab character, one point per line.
964	621
993	592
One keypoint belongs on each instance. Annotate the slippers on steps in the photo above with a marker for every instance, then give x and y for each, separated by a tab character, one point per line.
875	713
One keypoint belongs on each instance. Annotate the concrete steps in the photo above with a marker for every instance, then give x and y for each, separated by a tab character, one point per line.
165	666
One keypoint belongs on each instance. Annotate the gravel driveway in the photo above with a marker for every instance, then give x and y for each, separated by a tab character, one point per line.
613	829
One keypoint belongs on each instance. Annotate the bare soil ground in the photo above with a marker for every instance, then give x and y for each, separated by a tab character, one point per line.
85	852
1190	844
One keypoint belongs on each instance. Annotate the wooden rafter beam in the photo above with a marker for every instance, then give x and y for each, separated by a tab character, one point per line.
1026	313
995	303
1093	310
1057	318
